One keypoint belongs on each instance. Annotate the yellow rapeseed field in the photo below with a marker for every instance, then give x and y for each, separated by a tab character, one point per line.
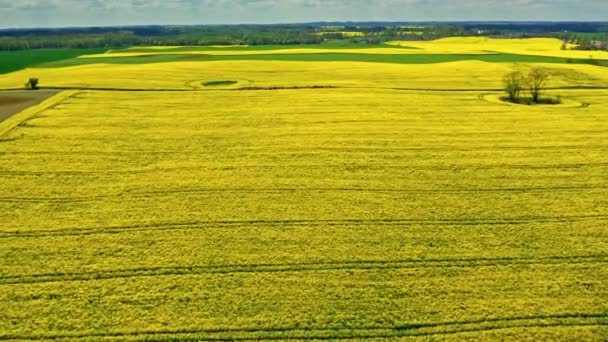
191	75
343	33
405	203
550	47
524	46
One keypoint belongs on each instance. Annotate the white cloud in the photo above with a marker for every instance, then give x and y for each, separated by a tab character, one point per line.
28	13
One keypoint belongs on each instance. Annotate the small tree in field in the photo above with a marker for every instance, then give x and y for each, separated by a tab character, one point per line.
514	83
32	84
536	82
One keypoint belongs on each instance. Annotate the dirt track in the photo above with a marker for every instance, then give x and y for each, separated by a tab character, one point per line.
12	102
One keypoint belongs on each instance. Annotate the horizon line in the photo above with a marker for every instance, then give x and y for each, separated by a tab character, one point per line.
319	22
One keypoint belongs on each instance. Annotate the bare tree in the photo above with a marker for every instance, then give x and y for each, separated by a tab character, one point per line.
514	82
536	81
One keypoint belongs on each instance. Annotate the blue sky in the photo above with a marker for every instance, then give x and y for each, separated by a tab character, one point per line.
58	13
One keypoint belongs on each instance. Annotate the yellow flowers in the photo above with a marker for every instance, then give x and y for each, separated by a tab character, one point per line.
405	202
301	213
192	75
456	45
343	33
524	46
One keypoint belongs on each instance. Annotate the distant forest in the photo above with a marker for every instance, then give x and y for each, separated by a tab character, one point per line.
589	34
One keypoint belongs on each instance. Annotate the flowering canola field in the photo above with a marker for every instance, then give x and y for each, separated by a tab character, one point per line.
462	75
524	46
401	204
454	45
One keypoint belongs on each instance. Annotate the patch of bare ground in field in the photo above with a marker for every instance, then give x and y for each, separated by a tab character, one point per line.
12	102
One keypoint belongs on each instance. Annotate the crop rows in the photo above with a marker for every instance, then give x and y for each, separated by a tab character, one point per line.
596	322
301	267
305	214
335	300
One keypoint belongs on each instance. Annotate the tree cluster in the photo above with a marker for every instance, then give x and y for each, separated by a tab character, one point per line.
516	82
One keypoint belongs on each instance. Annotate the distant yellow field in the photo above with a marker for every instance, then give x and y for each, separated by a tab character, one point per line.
344	33
456	45
415	33
191	75
527	46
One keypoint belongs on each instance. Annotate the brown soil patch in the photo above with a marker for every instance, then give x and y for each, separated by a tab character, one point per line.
12	102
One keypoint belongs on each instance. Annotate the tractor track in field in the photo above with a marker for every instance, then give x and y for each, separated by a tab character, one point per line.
160	226
313	148
308	166
146	194
299	267
413	329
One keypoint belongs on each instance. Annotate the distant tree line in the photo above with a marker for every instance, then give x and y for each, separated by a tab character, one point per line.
372	33
119	39
291	34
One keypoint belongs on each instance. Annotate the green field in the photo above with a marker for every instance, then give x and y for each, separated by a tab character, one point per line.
17	60
328	46
12	61
325	57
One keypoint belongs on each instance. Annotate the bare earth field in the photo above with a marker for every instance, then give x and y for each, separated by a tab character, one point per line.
14	101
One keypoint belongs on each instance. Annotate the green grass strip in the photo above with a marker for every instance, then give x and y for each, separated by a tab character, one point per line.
16	60
329	57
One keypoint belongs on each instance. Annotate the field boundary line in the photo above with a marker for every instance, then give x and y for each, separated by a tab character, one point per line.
300	267
19	119
338	333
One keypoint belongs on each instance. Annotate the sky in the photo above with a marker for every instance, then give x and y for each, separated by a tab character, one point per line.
67	13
